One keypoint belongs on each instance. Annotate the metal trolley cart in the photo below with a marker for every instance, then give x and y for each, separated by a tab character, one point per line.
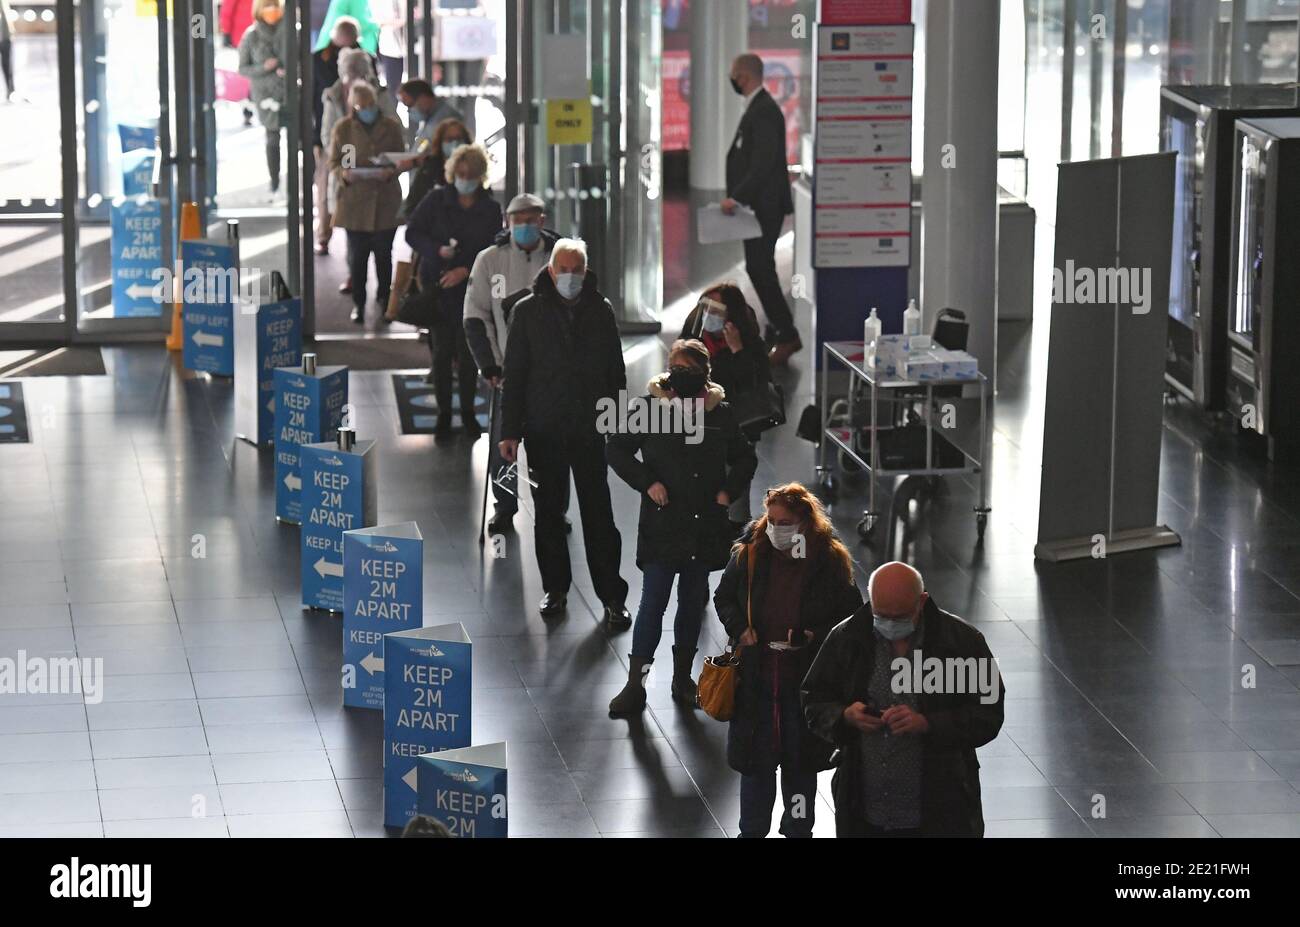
900	398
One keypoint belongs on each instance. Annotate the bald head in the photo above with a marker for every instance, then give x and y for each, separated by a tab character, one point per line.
896	590
747	72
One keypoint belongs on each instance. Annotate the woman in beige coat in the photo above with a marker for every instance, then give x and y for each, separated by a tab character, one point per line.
368	197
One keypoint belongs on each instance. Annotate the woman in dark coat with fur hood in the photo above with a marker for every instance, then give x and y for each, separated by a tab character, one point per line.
693	462
790	580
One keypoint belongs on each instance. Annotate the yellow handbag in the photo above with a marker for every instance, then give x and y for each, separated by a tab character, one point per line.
717	686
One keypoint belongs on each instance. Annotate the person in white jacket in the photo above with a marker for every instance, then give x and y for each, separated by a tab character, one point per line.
502	274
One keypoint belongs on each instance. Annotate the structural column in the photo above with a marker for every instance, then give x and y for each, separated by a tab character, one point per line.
719	32
959	225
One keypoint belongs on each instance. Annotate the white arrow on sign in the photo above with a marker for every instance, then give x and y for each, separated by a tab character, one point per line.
140	291
410	778
292	481
325	568
372	664
270	404
203	339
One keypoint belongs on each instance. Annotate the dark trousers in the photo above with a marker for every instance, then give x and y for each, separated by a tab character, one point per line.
273	157
7	65
360	246
851	825
447	344
393	69
760	264
551	458
692	599
777	740
506	501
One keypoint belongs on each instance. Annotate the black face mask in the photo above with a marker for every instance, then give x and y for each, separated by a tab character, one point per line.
736	87
687	384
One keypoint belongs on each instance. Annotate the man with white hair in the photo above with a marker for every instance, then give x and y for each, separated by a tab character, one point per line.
907	752
502	276
564	360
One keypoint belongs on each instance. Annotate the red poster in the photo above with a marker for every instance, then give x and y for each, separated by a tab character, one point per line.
865	12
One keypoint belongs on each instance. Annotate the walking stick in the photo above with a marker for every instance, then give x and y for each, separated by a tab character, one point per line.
487	483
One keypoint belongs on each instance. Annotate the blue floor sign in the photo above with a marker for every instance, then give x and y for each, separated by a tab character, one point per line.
136	240
426	707
208	309
308	410
465	789
383	591
338	495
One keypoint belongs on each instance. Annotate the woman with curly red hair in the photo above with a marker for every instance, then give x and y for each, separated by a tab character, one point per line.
789	581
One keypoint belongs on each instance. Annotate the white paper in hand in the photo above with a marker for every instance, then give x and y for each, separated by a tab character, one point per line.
716	226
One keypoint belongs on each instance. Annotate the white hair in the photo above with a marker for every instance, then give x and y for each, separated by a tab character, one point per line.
354	64
569	246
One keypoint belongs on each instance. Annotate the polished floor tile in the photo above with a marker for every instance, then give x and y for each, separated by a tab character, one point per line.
1126	711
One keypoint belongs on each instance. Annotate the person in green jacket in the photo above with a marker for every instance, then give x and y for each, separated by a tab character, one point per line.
358	10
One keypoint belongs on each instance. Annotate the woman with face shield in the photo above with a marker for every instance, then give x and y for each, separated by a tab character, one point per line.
726	325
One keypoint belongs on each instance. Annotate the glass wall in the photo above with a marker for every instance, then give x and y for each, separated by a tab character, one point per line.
31	184
1078	104
597	159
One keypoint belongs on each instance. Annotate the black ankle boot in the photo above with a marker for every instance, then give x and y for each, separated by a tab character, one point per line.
683	688
632	699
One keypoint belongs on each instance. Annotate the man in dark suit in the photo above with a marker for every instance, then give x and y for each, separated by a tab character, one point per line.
757	178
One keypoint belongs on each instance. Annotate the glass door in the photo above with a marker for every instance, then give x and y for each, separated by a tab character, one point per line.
596	157
120	201
32	227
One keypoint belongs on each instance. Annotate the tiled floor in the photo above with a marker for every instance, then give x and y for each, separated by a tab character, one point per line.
1126	710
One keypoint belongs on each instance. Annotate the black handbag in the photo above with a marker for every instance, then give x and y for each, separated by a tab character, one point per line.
760	409
419	307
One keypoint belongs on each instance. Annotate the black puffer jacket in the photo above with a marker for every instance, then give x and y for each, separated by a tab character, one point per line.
950	784
826	598
692	526
558	371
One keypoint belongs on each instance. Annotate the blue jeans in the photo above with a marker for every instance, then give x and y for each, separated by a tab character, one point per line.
777	743
656	588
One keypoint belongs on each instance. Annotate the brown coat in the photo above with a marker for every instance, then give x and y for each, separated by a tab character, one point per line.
365	205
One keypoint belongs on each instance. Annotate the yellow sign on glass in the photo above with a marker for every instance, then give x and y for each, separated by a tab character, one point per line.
150	8
568	122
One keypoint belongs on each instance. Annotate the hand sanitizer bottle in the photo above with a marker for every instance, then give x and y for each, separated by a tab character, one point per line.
912	319
871	329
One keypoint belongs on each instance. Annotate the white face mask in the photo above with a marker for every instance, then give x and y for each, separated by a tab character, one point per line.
569	285
782	536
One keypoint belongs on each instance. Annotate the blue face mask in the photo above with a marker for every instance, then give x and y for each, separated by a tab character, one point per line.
368	115
526	235
449	148
569	285
466	187
893	629
714	323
